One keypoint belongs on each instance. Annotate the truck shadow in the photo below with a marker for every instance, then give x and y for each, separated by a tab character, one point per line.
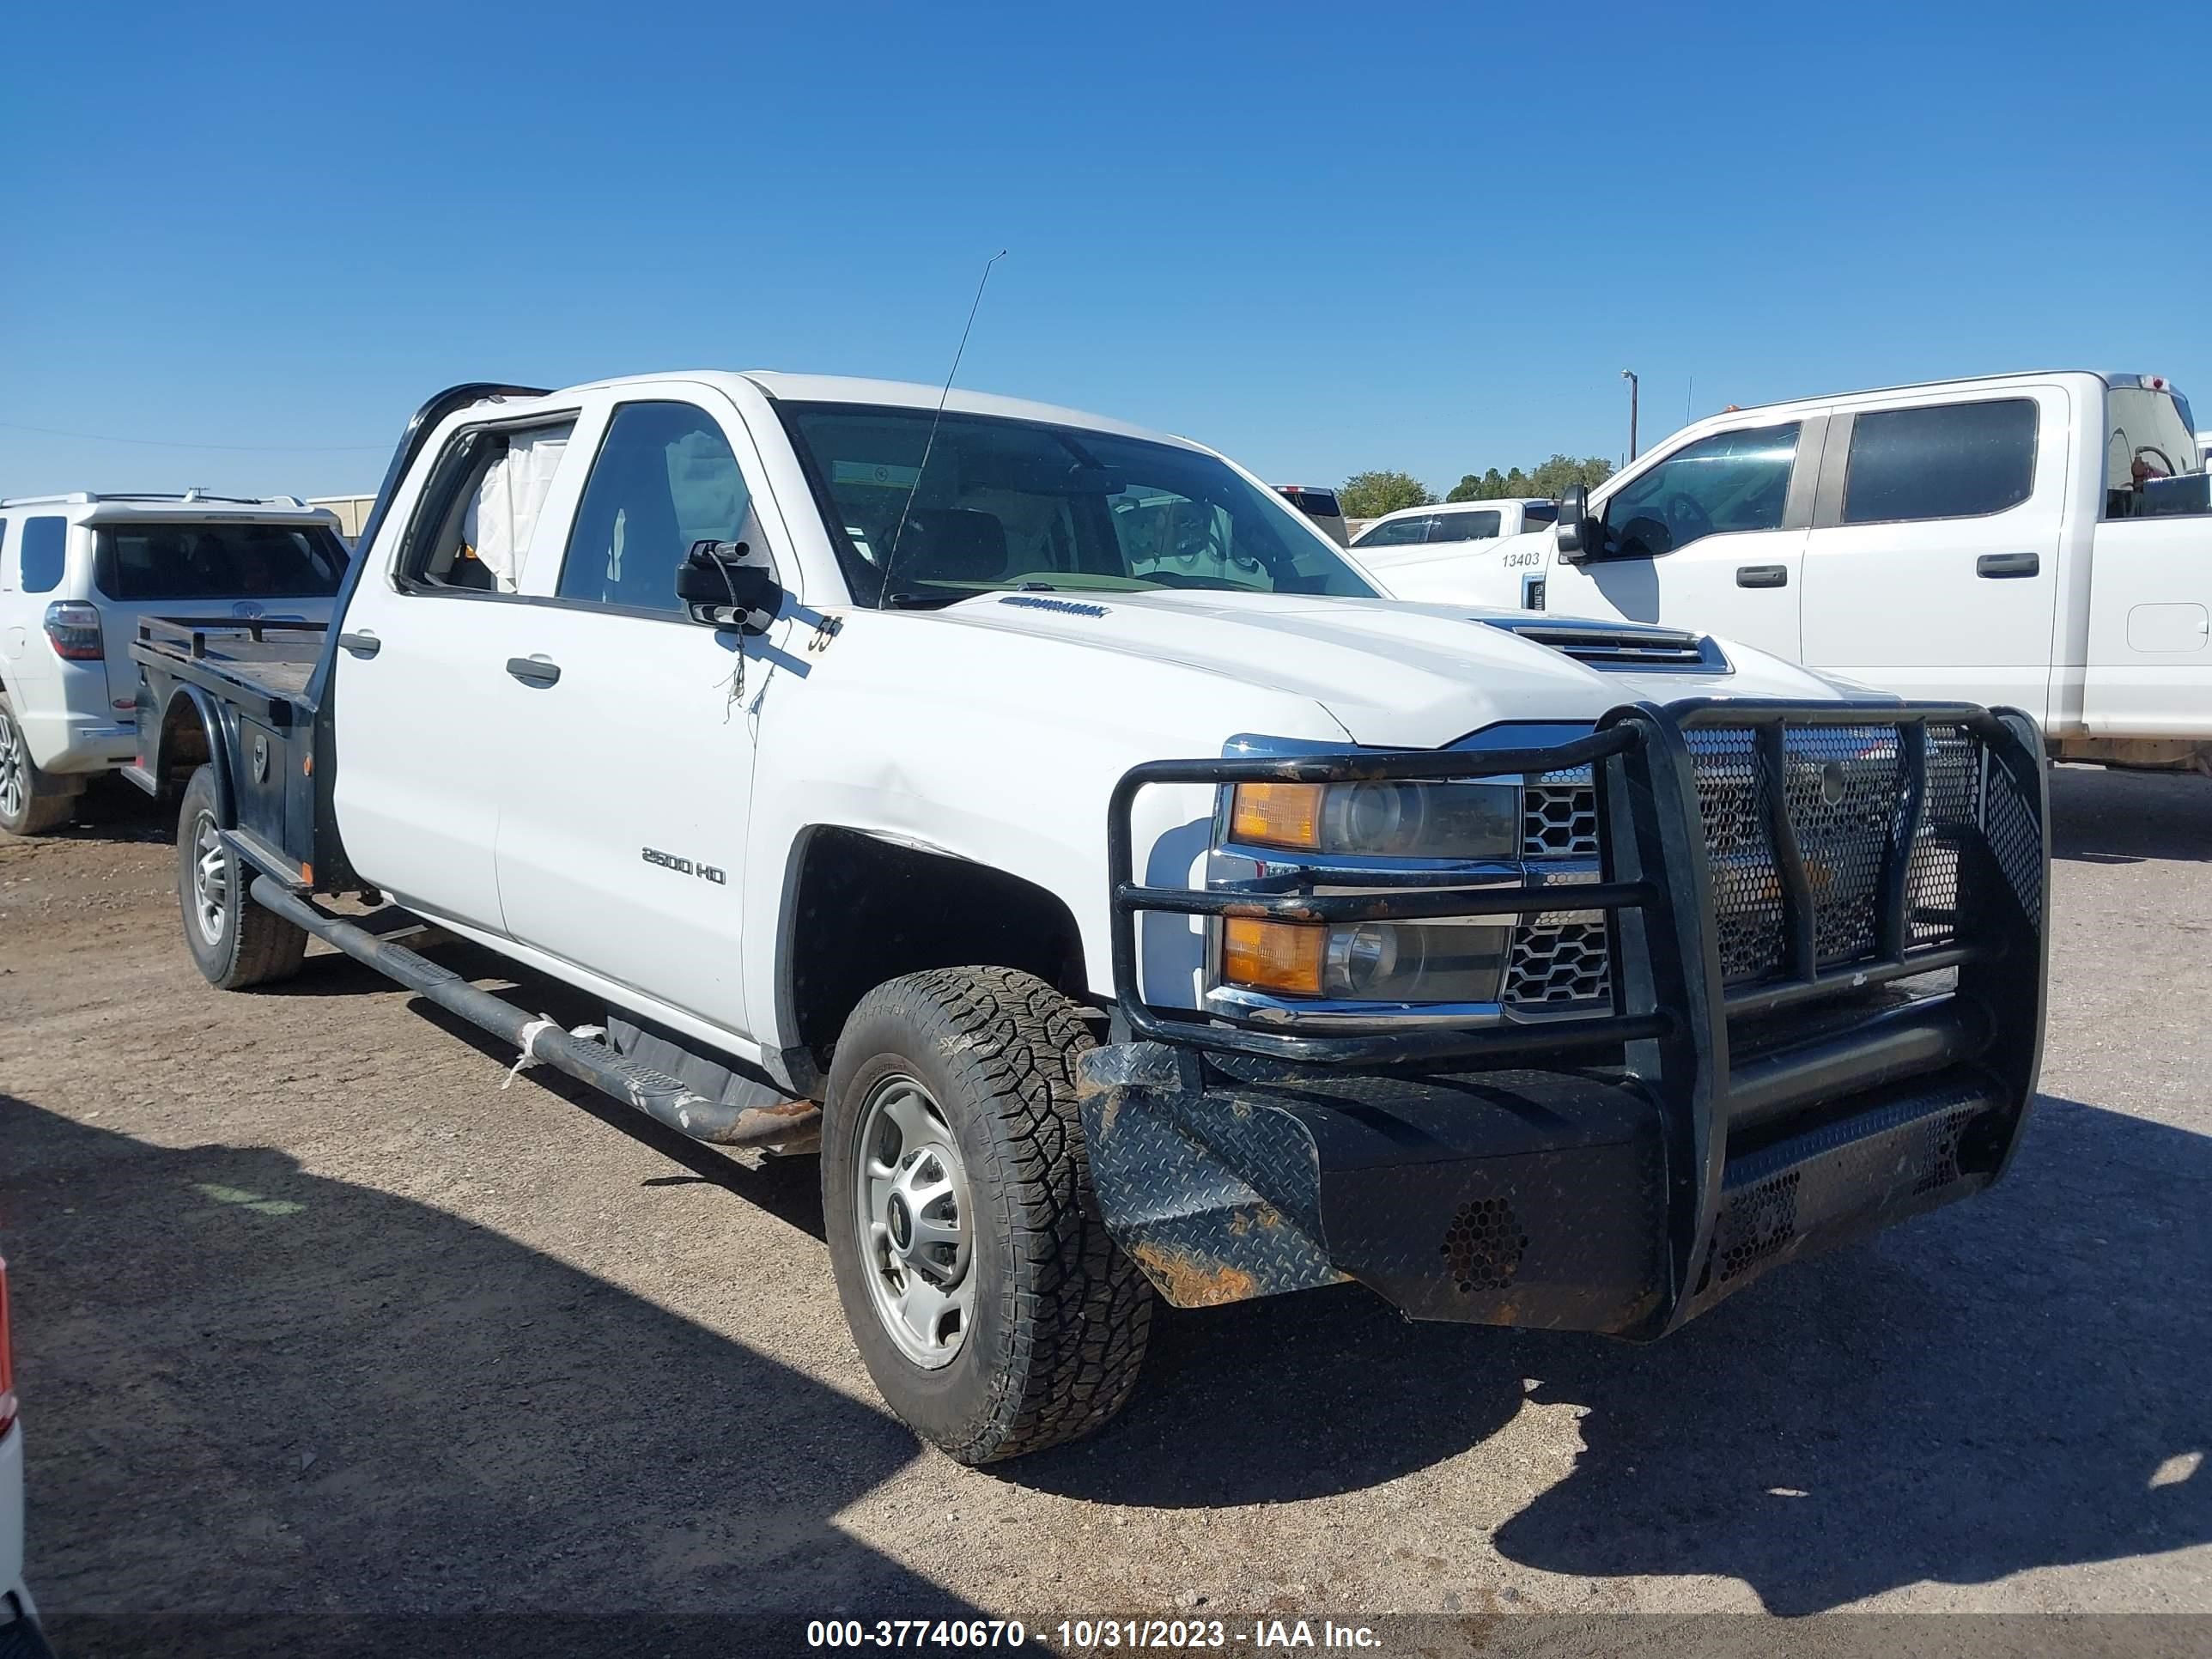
2100	817
2024	1381
251	1390
788	1189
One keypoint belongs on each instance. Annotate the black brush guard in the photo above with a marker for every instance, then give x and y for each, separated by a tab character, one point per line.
1825	927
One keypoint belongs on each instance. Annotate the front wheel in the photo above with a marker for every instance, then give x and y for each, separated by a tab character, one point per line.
235	942
994	1313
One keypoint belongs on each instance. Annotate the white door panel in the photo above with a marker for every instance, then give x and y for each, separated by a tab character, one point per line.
425	732
423	748
622	840
1700	586
1708	536
1953	607
622	846
2150	628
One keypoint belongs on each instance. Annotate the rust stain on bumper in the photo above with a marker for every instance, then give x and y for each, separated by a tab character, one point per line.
1188	1282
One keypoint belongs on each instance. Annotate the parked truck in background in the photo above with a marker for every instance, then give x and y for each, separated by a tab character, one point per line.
2039	541
1044	822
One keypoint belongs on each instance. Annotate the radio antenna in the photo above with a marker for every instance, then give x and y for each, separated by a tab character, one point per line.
882	597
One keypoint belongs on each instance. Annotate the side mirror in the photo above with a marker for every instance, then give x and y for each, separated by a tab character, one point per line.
726	585
1582	538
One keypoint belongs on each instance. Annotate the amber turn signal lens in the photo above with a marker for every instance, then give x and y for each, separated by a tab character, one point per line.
1272	955
1277	815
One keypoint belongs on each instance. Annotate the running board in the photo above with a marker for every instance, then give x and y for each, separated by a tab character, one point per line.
792	1125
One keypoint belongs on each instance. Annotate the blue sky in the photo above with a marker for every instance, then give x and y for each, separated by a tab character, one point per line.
1321	238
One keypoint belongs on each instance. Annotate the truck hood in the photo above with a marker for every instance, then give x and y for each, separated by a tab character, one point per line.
1391	674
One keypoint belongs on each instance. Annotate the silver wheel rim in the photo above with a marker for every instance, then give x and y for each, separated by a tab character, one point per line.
14	782
911	1205
210	879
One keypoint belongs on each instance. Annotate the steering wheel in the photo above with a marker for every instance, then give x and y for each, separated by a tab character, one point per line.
1687	518
2142	450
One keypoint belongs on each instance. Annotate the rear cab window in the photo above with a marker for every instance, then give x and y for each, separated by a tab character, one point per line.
1940	461
1398	533
2153	459
201	561
1466	527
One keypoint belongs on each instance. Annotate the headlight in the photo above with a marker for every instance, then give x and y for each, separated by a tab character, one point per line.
1368	961
1381	820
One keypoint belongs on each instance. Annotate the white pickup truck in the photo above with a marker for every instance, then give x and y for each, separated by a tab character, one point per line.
2038	541
1045	823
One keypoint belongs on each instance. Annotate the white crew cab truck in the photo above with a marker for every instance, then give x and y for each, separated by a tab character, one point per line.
79	573
1044	822
2038	541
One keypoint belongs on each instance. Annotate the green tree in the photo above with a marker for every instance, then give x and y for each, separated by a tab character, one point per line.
1371	494
1552	479
1488	488
1562	472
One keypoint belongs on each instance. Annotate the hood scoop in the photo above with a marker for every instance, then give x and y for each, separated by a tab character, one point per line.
1624	647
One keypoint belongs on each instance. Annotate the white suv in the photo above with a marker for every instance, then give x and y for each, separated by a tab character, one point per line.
77	575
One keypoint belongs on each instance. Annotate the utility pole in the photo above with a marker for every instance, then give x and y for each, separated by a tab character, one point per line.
1629	375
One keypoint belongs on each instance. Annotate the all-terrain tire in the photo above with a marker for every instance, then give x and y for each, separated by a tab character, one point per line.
41	801
1060	1316
239	943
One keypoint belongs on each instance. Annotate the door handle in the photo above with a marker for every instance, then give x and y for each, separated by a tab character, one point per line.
1998	566
362	645
534	670
1762	576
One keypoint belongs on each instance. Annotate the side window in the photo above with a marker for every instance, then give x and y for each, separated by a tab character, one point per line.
7	562
44	552
1946	461
1536	512
1399	532
473	526
1731	481
664	478
1464	526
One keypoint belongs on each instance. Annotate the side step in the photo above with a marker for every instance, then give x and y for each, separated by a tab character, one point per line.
793	1124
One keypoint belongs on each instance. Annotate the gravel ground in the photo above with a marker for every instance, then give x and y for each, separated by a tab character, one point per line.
312	1317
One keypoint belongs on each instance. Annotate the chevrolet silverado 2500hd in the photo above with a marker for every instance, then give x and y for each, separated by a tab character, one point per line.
1045	822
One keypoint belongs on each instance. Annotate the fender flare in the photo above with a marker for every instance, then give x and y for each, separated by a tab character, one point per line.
204	709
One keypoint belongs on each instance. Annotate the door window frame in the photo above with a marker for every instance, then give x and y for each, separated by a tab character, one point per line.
438	495
573	508
1808	467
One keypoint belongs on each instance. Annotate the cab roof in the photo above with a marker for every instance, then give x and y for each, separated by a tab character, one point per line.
898	394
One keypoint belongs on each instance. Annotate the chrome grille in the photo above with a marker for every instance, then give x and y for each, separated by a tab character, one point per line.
1559	818
1557	960
1562	957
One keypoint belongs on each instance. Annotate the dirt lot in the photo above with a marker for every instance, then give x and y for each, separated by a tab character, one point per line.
313	1317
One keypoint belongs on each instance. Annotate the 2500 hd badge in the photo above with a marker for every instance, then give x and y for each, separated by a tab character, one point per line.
685	867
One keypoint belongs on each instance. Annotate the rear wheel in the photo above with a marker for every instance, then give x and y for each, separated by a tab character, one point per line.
32	802
235	942
994	1313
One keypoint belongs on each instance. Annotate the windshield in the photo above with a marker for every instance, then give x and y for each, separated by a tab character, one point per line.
218	561
1022	504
